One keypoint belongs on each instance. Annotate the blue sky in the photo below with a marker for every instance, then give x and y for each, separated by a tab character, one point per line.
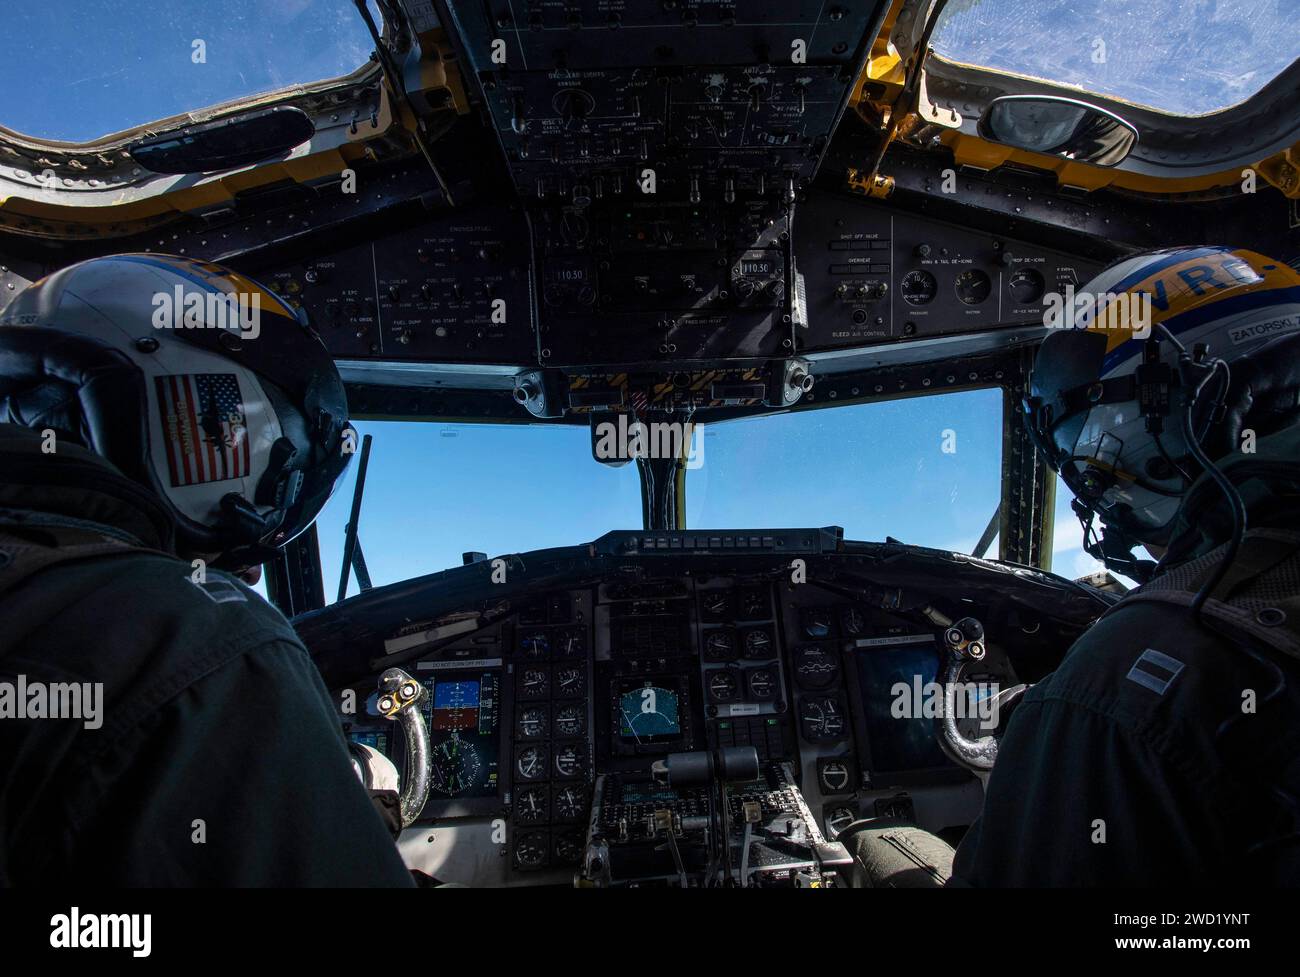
79	69
1181	56
434	491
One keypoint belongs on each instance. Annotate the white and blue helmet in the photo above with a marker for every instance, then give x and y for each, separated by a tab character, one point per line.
192	380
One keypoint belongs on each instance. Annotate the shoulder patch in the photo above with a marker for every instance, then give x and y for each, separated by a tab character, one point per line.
1155	671
220	591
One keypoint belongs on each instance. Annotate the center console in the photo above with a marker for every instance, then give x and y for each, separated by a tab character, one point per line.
755	832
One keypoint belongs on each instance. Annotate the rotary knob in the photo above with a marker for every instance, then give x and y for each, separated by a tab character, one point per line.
573	106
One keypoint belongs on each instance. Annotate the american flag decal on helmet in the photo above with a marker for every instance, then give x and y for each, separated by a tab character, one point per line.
203	427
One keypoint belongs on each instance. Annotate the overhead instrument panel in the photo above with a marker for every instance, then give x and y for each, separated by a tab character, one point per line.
597	89
581	136
872	275
542	36
453	290
659	149
655	280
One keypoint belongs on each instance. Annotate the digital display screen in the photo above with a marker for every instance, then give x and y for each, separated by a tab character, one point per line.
751	266
463	710
639	793
376	739
899	743
456	705
649	713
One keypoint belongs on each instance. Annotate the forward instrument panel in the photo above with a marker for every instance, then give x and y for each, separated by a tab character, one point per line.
592	724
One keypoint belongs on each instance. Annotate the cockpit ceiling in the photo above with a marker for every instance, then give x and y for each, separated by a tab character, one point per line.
565	210
444	55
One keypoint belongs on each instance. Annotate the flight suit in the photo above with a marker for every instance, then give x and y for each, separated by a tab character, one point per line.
1159	753
217	759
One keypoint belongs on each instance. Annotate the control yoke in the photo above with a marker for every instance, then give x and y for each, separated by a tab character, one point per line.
964	641
399	699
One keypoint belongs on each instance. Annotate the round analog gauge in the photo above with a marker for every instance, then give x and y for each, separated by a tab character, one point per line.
822	719
762	683
1026	286
570	720
570	681
758	643
835	777
972	286
530	850
568	760
535	645
530	763
918	287
531	723
720	645
816	621
717	603
853	621
753	604
569	847
534	683
816	667
454	766
570	643
530	805
570	803
838	819
722	685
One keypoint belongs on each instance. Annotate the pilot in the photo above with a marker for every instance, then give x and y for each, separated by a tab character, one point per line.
1165	749
166	425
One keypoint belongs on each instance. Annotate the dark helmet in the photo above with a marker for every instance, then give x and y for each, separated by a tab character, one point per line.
1210	330
192	380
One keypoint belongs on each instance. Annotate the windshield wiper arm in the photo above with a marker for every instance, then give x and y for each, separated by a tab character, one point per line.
990	531
394	78
352	556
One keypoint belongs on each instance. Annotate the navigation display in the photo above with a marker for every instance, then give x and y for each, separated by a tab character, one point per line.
463	710
907	743
649	711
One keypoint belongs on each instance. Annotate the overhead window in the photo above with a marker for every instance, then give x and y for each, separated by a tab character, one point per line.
1181	57
77	70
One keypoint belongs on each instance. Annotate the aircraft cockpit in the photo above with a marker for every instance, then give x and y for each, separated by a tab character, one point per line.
693	523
